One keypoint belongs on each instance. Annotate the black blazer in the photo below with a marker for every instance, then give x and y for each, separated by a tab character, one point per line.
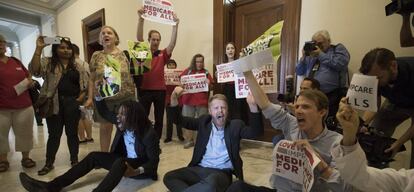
147	149
234	131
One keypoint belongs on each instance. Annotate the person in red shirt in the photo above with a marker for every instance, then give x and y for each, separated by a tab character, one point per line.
171	64
152	86
195	104
16	110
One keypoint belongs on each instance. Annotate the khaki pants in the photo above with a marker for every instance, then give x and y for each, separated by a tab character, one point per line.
21	121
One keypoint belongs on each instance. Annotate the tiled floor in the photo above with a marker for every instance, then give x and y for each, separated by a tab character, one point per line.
256	157
256	170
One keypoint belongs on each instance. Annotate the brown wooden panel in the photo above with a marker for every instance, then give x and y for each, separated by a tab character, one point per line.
91	27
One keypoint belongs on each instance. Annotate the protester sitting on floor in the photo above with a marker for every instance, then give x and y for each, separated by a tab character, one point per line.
216	152
134	153
307	129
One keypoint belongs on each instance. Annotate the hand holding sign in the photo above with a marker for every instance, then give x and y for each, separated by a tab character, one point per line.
349	120
362	92
160	11
295	161
195	83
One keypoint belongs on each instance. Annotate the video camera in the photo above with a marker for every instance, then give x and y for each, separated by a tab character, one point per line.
309	47
289	95
399	6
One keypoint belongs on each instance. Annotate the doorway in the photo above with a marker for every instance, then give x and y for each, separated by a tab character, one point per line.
242	21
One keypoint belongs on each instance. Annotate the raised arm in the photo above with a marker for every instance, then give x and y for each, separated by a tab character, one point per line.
35	65
173	40
140	27
255	128
352	163
337	60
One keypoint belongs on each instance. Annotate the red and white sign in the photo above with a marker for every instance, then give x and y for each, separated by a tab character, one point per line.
195	83
294	164
172	76
265	76
160	11
225	73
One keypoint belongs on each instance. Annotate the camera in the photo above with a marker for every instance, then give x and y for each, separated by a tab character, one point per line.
309	47
289	95
399	6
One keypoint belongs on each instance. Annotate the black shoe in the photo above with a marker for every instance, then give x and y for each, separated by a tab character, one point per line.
154	177
181	138
33	185
45	170
167	140
73	163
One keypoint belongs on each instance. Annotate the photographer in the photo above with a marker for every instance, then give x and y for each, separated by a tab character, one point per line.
328	64
352	163
396	84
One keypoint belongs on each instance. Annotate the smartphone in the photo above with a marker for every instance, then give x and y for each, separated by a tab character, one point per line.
51	40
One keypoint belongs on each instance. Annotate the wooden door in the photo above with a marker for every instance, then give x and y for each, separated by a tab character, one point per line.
91	27
250	19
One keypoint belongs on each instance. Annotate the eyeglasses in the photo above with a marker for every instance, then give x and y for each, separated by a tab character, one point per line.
63	38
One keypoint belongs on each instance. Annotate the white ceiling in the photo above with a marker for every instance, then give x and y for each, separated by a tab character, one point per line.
49	4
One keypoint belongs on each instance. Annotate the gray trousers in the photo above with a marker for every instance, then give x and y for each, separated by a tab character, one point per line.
389	117
200	179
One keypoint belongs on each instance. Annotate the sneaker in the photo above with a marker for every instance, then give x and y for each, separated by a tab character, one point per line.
167	140
188	144
31	184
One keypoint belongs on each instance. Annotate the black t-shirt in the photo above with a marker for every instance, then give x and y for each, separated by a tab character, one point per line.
69	83
401	93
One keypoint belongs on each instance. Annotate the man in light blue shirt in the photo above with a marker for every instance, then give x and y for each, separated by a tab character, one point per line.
328	64
216	155
216	152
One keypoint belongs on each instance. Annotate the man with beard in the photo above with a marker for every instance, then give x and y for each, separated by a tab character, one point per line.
216	152
396	84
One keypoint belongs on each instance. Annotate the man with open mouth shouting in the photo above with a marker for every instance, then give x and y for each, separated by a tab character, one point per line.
216	151
307	129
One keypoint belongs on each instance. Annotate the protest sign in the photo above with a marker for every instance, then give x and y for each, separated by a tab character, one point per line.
265	76
225	73
195	83
294	164
160	11
362	92
260	57
172	76
140	57
269	39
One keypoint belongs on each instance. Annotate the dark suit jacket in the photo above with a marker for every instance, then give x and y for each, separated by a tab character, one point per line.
147	150
234	131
